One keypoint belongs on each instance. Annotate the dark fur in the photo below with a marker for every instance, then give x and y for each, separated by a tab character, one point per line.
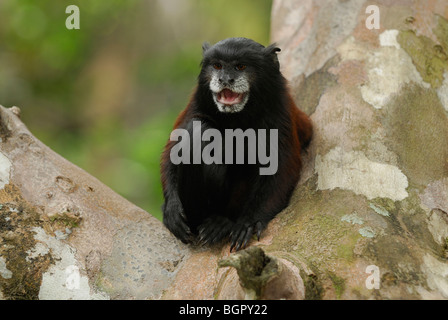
211	203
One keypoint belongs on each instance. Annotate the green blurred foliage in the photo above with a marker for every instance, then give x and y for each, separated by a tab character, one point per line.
106	96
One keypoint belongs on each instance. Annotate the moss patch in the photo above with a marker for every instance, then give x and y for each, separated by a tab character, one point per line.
5	133
441	31
415	220
311	89
65	220
395	255
313	288
17	220
338	283
315	230
398	252
430	58
382	205
418	129
445	249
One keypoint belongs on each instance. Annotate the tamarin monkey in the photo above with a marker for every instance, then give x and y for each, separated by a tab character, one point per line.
240	86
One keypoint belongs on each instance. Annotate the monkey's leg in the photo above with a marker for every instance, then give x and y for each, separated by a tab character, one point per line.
269	195
216	225
215	229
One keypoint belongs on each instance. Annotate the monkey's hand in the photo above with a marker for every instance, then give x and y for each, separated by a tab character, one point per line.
174	219
242	231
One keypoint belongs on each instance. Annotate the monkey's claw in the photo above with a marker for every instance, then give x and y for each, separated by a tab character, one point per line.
239	237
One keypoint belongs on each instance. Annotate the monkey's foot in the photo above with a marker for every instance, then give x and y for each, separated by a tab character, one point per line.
214	229
241	234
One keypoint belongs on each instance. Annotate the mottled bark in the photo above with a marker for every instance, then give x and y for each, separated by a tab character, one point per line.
368	220
64	235
376	188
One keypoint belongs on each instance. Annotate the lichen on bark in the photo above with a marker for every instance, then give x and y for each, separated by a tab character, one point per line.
17	242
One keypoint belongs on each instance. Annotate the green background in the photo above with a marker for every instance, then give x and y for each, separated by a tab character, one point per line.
106	96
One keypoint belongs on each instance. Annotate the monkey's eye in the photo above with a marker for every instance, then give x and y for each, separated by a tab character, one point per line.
217	66
240	67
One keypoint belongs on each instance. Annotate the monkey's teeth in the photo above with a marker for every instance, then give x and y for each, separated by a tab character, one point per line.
228	97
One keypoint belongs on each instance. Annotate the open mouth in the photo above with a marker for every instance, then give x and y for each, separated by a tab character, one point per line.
229	98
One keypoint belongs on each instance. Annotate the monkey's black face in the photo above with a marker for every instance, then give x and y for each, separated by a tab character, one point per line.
230	69
230	85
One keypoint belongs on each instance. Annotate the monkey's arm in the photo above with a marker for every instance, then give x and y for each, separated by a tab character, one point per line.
173	212
174	217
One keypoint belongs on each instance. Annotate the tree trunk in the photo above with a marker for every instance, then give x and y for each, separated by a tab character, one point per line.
368	220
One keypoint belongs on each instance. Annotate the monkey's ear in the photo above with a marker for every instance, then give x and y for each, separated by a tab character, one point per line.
271	51
205	47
